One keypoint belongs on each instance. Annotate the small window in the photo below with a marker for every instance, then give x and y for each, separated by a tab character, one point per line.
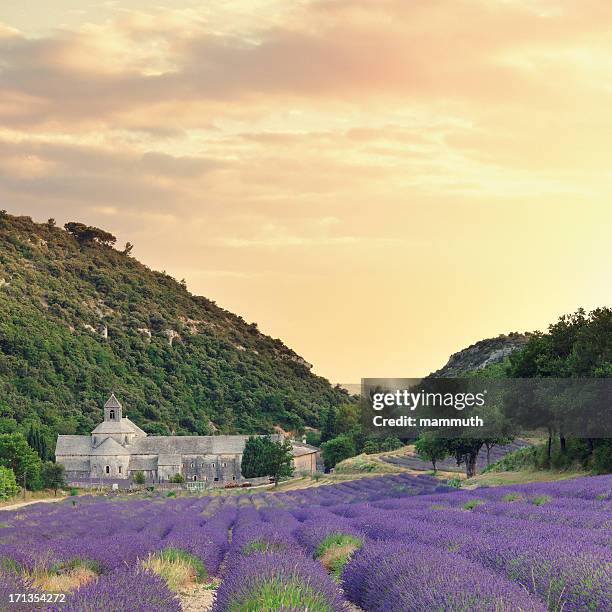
107	469
224	465
191	465
120	469
195	478
233	478
212	465
111	415
216	480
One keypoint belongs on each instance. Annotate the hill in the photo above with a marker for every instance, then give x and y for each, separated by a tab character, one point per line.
482	354
79	318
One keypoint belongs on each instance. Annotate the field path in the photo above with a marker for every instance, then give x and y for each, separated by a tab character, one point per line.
46	500
199	600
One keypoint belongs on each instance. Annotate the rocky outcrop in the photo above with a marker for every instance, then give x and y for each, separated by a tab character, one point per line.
481	354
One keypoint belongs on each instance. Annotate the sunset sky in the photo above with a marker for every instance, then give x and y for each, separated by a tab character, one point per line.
379	183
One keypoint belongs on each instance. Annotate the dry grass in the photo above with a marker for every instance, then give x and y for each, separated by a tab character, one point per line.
178	574
180	570
520	477
334	558
63	582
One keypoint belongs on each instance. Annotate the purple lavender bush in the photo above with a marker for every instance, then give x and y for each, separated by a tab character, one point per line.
121	591
406	577
278	581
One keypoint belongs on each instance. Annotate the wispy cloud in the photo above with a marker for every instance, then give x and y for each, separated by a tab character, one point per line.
333	144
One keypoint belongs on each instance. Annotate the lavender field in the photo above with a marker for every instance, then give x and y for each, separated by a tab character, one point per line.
393	543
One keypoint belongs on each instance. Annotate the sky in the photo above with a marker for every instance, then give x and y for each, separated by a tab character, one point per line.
379	183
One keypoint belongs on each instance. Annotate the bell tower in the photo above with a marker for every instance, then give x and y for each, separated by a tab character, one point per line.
112	409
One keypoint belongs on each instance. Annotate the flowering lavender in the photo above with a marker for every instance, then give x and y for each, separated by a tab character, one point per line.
278	581
136	590
406	577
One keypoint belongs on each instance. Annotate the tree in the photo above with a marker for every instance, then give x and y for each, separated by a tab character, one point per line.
53	476
370	447
51	222
390	444
128	249
329	427
15	453
264	457
87	233
337	449
281	460
466	451
139	477
177	479
8	485
37	441
253	458
431	447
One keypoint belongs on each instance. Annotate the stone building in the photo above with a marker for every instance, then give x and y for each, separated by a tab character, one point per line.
117	449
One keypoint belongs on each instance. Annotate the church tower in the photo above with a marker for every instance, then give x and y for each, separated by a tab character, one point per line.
112	409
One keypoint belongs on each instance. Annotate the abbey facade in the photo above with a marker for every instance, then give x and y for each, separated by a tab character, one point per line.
117	449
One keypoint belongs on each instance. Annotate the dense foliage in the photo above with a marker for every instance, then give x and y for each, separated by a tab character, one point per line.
79	319
577	345
263	456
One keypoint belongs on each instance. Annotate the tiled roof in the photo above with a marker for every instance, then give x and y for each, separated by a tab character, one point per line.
144	462
110	447
302	449
73	445
112	402
125	426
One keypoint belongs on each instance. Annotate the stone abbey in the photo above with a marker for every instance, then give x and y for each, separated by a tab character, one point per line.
117	449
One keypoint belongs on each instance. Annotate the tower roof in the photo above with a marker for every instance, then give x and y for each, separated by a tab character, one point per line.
112	402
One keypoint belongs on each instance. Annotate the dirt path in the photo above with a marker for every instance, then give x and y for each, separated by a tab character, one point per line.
199	600
46	500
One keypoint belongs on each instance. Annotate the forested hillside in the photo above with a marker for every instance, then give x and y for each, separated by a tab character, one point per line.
79	318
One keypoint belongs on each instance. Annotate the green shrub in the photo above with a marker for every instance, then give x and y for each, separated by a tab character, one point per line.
171	494
177	479
335	550
540	500
511	497
74	491
261	545
8	485
521	459
276	593
139	478
472	503
602	457
454	482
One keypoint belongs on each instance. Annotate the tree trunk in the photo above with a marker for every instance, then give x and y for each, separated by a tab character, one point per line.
470	465
488	456
591	445
433	462
549	448
562	443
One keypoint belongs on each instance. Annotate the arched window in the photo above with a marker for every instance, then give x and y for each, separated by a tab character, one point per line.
111	415
212	465
191	465
120	469
195	478
107	469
